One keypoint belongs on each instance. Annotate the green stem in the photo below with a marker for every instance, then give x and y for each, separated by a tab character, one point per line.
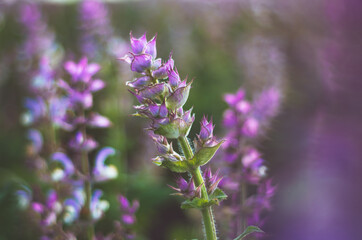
207	215
243	196
88	192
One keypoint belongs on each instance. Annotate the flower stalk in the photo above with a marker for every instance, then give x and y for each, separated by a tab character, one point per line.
162	95
207	216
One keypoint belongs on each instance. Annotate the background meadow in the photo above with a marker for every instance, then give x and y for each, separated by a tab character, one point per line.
310	50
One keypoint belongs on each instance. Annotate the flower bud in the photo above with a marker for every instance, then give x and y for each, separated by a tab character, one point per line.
138	44
206	131
173	77
99	121
151	47
139	82
186	189
141	62
162	71
250	127
67	166
154	91
211	181
179	97
101	171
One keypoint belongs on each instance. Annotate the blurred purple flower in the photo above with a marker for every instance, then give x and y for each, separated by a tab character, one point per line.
127	210
101	171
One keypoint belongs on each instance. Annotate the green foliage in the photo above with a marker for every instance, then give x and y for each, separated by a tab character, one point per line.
204	155
200	203
174	166
178	98
249	230
218	195
175	129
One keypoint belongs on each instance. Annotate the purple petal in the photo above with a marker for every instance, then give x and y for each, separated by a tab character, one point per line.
128	219
36	109
92	69
96	85
206	130
72	69
141	62
63	84
250	127
156	63
151	47
96	120
229	119
182	184
163	112
138	44
37	207
139	82
267	103
52	199
174	77
123	202
243	107
231	157
128	58
65	161
102	155
36	138
154	109
154	91
233	99
83	98
251	156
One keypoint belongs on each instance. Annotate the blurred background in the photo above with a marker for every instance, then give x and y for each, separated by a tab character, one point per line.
311	50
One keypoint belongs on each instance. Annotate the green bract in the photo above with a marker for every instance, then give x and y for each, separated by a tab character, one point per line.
179	97
200	203
204	155
174	166
249	230
175	129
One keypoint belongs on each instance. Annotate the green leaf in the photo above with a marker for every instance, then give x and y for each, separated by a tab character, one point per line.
204	155
178	127
249	230
175	166
178	98
218	194
197	203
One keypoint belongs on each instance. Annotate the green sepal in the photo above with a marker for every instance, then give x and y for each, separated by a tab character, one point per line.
199	203
249	230
179	97
174	166
204	155
218	195
175	129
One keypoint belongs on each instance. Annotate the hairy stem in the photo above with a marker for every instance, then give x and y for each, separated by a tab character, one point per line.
88	191
243	196
207	215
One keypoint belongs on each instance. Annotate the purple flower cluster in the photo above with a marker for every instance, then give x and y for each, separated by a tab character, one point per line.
95	26
47	106
97	34
128	210
74	201
161	100
39	39
162	94
247	121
